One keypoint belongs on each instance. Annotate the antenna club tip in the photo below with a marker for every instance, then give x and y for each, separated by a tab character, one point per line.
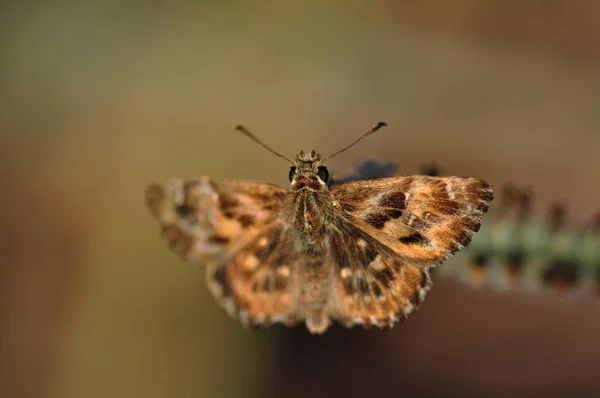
239	127
376	127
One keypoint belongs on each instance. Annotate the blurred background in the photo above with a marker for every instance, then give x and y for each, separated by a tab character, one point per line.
98	99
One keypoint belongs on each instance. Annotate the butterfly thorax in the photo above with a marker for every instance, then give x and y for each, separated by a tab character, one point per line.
310	197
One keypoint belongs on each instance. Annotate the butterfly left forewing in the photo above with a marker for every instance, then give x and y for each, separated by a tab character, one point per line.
204	218
423	219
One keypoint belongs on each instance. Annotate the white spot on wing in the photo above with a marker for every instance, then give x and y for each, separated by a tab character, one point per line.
449	189
408	308
251	262
230	306
346	272
283	271
244	317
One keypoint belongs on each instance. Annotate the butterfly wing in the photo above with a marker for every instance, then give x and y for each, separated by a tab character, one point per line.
203	218
235	229
423	219
259	282
388	233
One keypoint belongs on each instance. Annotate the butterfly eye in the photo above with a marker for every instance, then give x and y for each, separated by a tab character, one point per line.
323	173
292	173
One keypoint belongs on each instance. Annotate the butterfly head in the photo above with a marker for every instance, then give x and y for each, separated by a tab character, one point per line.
309	171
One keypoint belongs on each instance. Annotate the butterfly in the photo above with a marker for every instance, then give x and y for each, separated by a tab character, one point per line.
358	253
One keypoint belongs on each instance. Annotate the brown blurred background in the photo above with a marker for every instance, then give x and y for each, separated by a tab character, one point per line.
100	98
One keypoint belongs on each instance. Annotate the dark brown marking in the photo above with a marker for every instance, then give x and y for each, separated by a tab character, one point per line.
348	287
484	192
415	238
363	286
218	239
247	220
394	213
227	201
183	210
394	199
384	276
453	247
370	253
415	298
483	207
464	238
349	207
420	224
377	220
376	289
220	276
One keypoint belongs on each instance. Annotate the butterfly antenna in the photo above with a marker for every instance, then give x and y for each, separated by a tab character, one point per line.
371	131
247	133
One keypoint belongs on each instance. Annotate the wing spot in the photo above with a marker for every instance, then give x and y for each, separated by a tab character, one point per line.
283	271
230	306
227	201
247	220
376	290
384	276
251	262
218	239
394	199
415	239
183	210
345	272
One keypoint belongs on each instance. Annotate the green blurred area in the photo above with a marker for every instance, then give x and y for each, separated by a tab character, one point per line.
99	99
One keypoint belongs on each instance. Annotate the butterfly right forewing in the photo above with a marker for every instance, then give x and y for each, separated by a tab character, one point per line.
423	219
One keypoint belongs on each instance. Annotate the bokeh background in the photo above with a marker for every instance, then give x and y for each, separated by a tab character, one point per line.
100	98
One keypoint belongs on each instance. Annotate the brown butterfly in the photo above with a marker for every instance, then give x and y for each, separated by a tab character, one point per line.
358	253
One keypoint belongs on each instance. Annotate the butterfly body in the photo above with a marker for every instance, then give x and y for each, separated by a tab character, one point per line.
359	253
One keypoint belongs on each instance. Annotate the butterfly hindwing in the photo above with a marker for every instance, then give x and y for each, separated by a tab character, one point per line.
259	282
371	284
